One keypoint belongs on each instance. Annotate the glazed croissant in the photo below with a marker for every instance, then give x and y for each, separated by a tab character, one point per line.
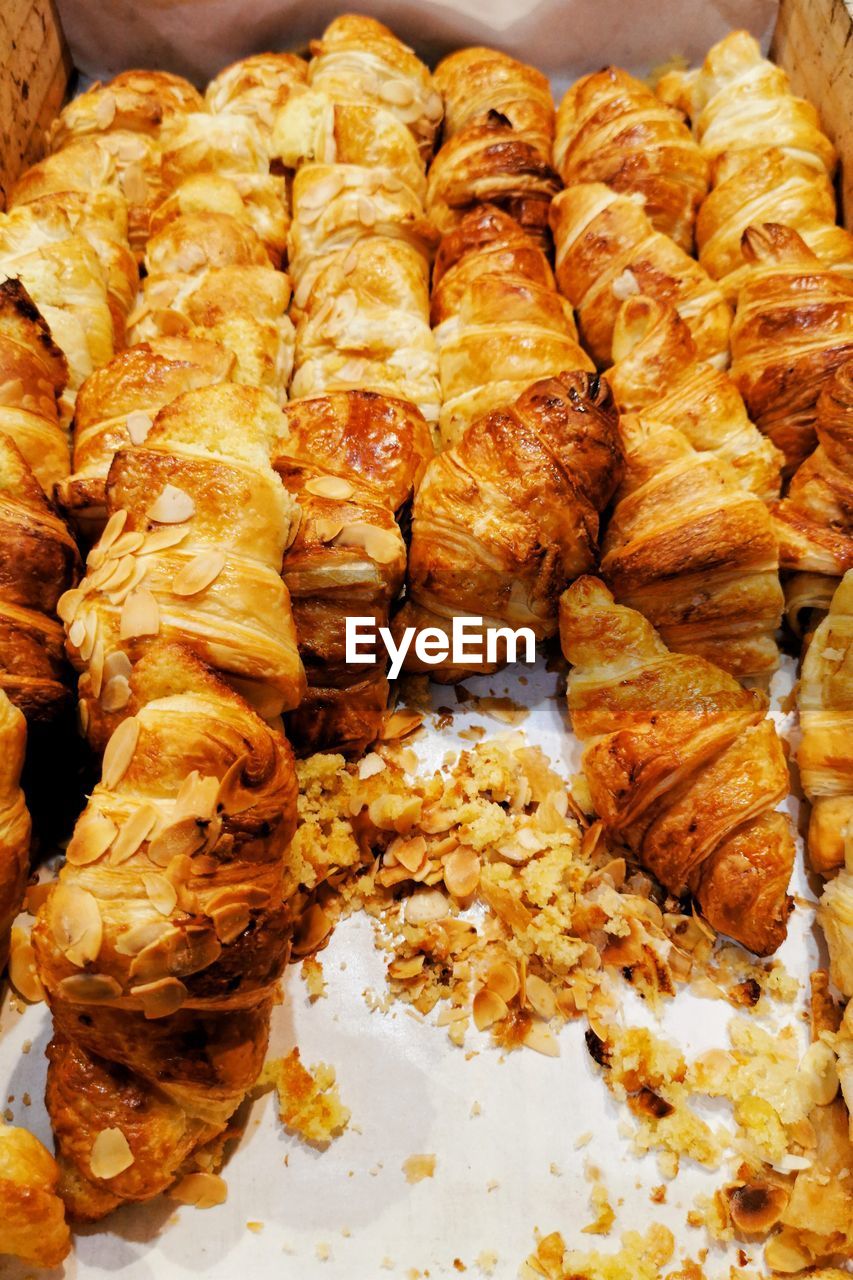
351	461
360	60
656	373
38	562
117	404
683	766
33	376
793	328
192	551
693	550
500	323
825	756
258	87
611	128
14	847
814	521
835	914
255	199
135	101
498	134
32	1216
607	250
161	945
510	514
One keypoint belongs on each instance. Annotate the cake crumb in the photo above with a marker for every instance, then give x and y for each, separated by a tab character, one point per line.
418	1167
312	975
308	1100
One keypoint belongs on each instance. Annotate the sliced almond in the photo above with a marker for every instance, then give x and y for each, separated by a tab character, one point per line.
488	1008
115	694
89	988
96	667
117	663
311	929
111	1154
119	753
93	835
462	873
139	424
133	833
406	967
426	907
540	997
784	1253
90	636
162	539
161	999
230	921
201	1190
198	573
75	923
817	1076
182	838
172	506
68	604
134	940
105	109
382	545
411	854
77	632
317	194
502	978
161	893
370	765
400	724
327	530
400	93
539	1038
23	973
140	615
366	211
112	529
329	487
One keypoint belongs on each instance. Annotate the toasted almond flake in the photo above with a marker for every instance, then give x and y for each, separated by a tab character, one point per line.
162	539
329	487
785	1254
311	928
93	835
77	632
502	978
140	615
197	796
198	573
172	506
105	109
462	873
116	694
162	998
201	1190
434	107
366	211
134	185
540	997
427	906
327	530
112	529
96	667
541	1040
68	604
230	921
400	724
89	988
119	753
111	1154
136	829
90	628
23	973
817	1076
382	545
139	424
406	967
117	663
75	923
134	940
181	838
370	765
400	93
488	1008
83	716
161	893
411	854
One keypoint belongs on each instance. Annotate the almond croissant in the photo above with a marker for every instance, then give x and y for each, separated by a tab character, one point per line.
656	373
505	518
351	461
14	838
612	129
693	550
161	945
258	200
32	1216
607	249
825	755
192	551
683	766
258	87
793	328
500	323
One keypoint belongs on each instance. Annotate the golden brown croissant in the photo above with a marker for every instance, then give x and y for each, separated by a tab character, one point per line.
192	551
360	60
161	945
478	82
38	562
256	199
825	755
33	376
500	323
32	1216
508	515
117	404
793	328
766	184
365	325
351	461
258	87
135	101
612	129
607	250
683	766
656	373
14	844
693	550
814	521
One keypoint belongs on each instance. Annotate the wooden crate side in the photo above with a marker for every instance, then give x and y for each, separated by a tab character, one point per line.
34	71
813	41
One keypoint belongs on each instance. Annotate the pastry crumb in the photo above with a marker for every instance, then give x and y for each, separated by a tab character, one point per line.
418	1167
308	1100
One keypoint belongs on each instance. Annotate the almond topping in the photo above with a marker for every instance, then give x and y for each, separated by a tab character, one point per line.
398	92
138	426
117	663
329	487
427	906
198	573
116	694
105	109
68	604
89	988
111	1154
311	928
75	922
162	998
539	1038
112	529
140	615
411	854
366	211
134	831
540	997
127	544
172	506
182	838
162	539
23	973
327	530
382	545
201	1190
140	936
462	873
230	921
161	893
119	753
488	1008
93	835
502	978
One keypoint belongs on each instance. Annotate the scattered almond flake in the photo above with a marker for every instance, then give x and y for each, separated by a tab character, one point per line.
110	1154
256	1227
418	1167
641	1257
583	1139
604	1215
201	1190
308	1099
312	974
476	1109
555	1170
171	506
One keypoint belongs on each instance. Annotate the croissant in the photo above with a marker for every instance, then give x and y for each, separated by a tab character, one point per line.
14	849
814	521
825	701
612	129
683	766
767	184
258	87
161	945
693	550
38	562
607	249
255	199
835	915
478	83
505	518
192	551
807	600
499	322
656	373
793	328
360	60
32	1216
351	461
117	404
33	376
365	325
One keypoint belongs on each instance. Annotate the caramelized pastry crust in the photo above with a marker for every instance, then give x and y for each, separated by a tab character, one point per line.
258	87
32	1216
683	766
14	859
478	83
